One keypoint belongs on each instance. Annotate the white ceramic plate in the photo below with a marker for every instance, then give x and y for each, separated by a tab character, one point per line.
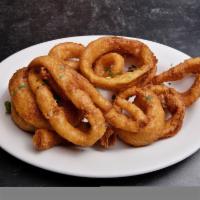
121	160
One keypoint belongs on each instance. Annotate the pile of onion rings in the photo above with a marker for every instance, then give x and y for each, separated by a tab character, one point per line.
57	98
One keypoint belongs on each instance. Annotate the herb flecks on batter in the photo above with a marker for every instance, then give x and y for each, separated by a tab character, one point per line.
148	97
14	92
22	85
7	105
109	71
61	76
61	67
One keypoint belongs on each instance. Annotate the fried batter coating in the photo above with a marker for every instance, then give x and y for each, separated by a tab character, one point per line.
20	122
130	129
110	64
178	72
55	96
24	102
76	92
105	45
44	139
109	138
174	104
68	53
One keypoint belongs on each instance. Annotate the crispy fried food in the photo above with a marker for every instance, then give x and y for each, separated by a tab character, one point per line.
149	110
106	45
73	114
52	99
24	102
171	102
25	112
97	98
178	72
73	87
20	122
68	53
146	78
44	139
136	117
109	138
144	123
110	64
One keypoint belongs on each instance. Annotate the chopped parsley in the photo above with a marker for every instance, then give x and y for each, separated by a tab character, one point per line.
169	83
109	71
106	69
61	67
148	98
111	74
22	85
7	105
13	93
61	76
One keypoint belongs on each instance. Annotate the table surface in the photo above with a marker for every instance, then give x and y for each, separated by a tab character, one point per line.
24	23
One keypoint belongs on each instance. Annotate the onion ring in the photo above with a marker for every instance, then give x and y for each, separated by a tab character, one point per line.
72	86
105	45
29	117
24	102
152	108
178	72
66	52
174	105
138	118
109	64
72	113
171	126
55	96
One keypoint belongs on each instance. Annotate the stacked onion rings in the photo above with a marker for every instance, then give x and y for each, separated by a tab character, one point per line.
56	96
121	79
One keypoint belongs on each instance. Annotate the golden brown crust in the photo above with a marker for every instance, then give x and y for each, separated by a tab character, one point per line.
75	92
110	64
44	139
23	100
174	104
105	45
20	122
66	52
109	138
61	105
150	117
178	72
